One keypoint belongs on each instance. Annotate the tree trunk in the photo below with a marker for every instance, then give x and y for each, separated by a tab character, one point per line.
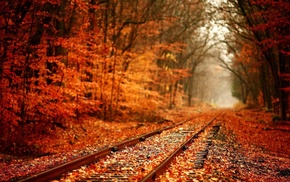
283	95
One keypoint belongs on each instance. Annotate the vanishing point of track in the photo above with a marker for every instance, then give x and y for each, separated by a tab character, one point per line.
114	172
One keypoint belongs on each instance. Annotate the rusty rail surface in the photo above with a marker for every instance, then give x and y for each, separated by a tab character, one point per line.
162	166
56	172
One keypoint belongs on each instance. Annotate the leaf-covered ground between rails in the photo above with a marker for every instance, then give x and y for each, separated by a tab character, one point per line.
249	146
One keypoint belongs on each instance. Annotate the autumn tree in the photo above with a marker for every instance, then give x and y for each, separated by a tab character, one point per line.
247	78
187	49
64	60
249	65
269	22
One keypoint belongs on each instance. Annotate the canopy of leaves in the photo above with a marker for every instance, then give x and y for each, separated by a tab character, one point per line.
64	60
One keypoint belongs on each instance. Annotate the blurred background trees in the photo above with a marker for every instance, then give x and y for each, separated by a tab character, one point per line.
259	45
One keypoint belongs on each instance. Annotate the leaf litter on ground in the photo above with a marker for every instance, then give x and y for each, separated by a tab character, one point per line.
249	147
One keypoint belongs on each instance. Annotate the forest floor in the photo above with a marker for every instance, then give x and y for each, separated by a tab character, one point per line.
249	146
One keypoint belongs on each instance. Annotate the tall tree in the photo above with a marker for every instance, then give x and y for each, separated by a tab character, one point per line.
61	60
269	21
259	24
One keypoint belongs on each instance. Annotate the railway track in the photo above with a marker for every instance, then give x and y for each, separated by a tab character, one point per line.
143	158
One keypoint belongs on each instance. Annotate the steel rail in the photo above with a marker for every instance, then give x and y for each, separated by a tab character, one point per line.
151	176
57	171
